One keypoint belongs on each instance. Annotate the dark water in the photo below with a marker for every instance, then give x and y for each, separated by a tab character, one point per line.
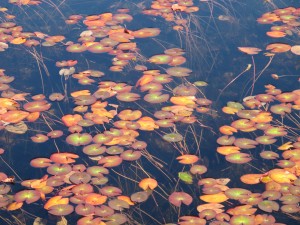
211	51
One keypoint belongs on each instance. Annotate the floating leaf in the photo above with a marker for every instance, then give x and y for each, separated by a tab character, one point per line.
17	128
185	177
177	198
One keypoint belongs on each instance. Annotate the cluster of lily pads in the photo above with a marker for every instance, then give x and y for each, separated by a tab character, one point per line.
99	128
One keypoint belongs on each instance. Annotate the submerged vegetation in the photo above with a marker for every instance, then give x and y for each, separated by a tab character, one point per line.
149	112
